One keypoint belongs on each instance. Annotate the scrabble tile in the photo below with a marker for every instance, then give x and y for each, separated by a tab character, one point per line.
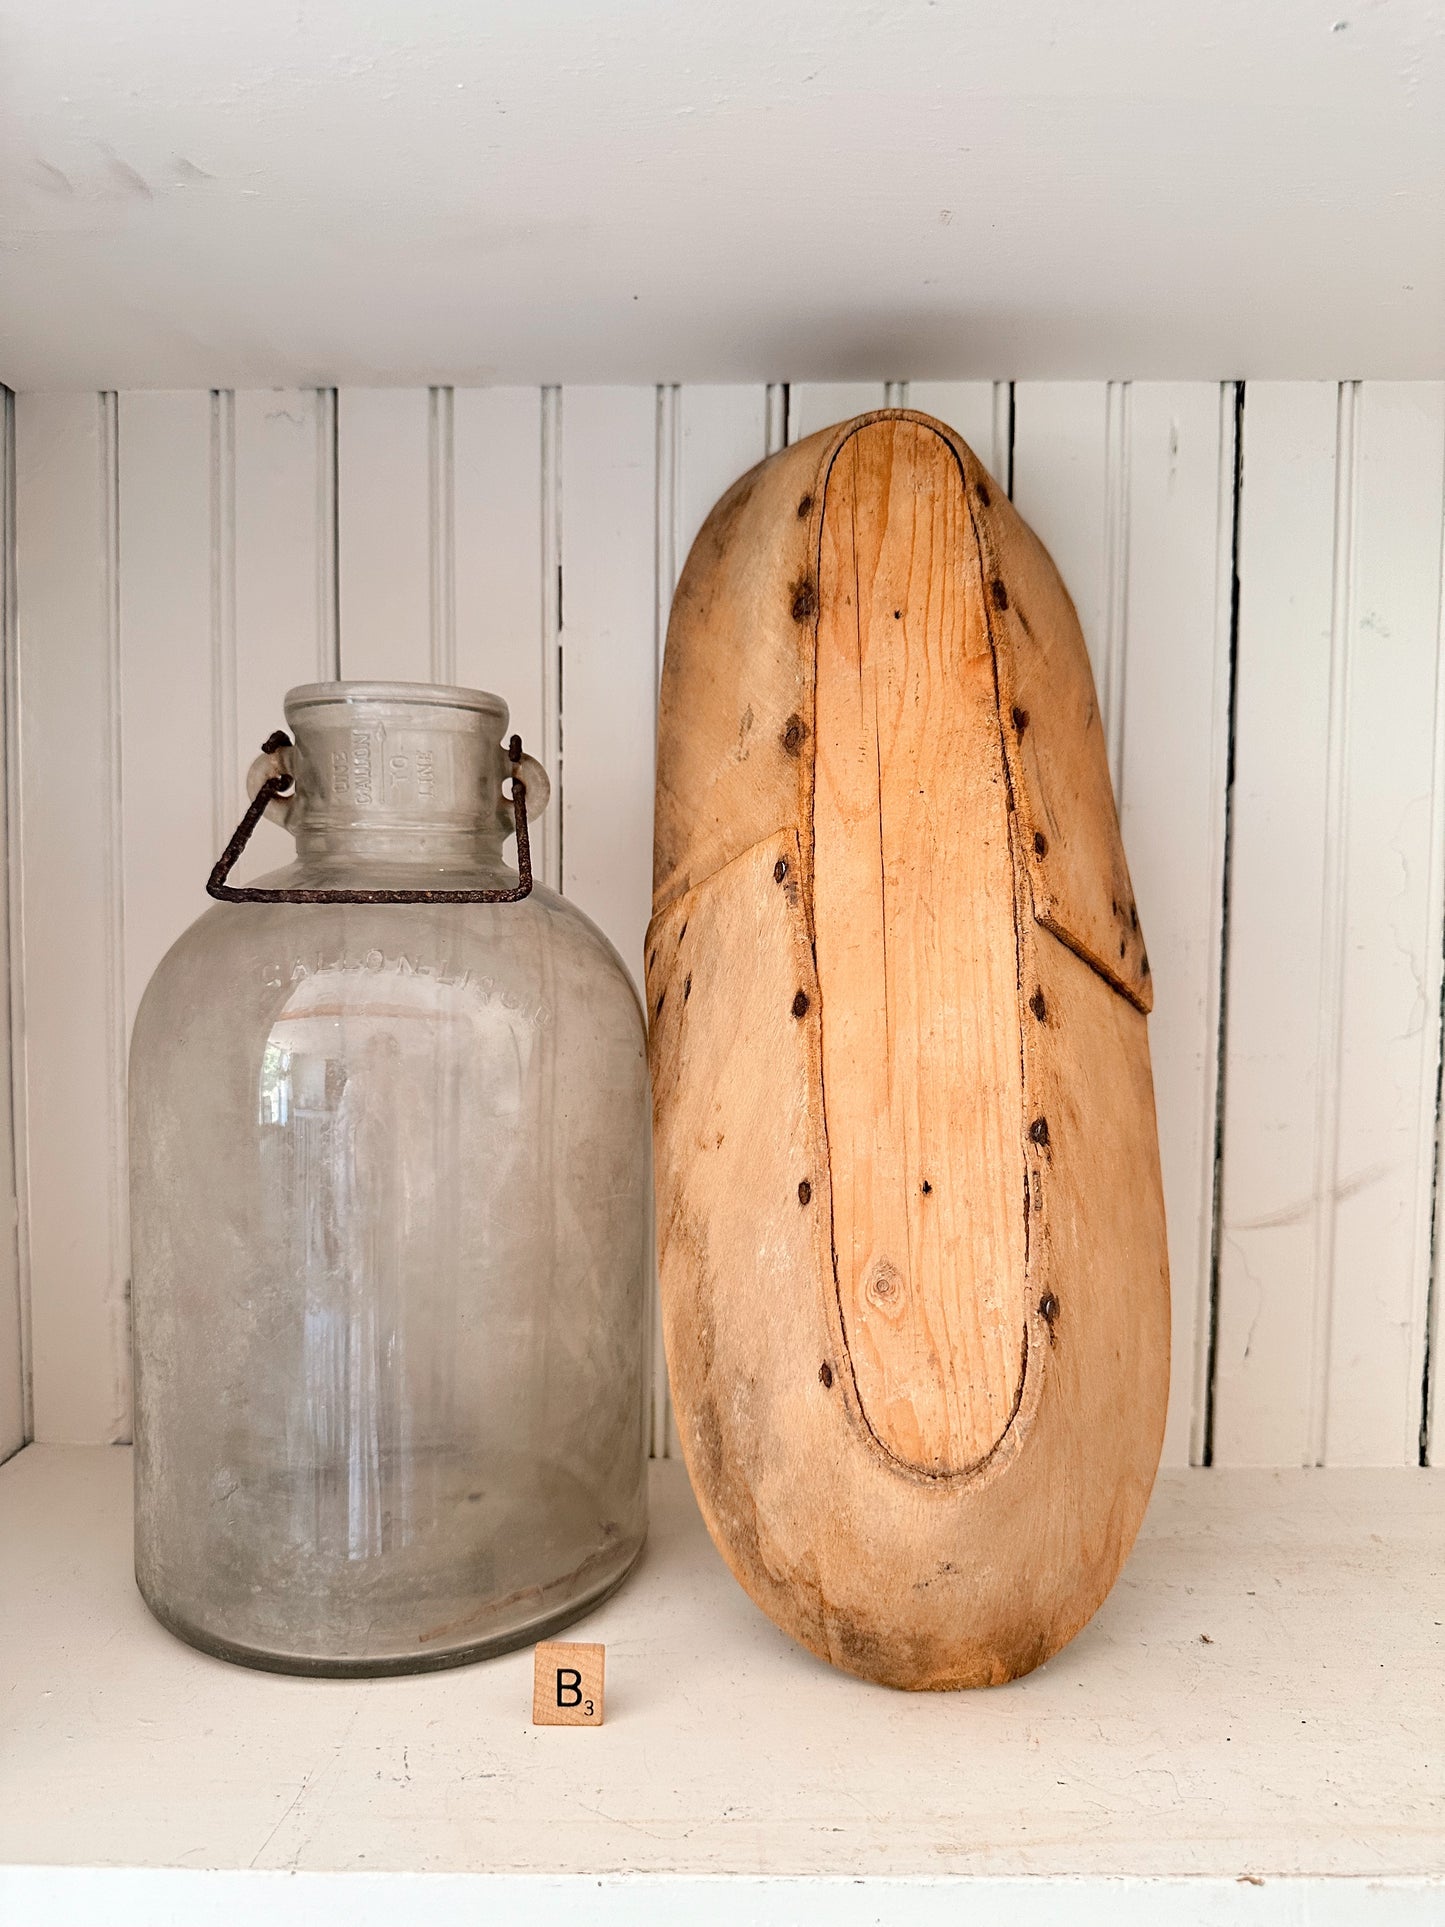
567	1684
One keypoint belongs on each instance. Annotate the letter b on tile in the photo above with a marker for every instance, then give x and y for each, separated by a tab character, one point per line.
567	1684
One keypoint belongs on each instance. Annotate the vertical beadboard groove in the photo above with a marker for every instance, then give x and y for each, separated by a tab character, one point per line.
669	465
1430	1441
1001	463
1333	925
1162	609
117	1421
1432	1366
777	417
21	1428
328	525
1232	397
552	753
225	776
441	527
1431	1451
1116	577
667	489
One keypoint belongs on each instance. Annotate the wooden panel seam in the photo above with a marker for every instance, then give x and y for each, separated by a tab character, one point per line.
1226	655
1004	403
666	487
1431	1436
1432	1395
19	1315
777	416
1112	680
1333	919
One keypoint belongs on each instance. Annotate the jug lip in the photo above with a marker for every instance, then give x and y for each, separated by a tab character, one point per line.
431	695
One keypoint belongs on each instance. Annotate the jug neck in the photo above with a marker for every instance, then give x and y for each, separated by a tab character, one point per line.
398	774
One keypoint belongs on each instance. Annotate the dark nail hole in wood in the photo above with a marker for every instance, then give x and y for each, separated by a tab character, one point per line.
1038	1006
927	1188
999	593
1039	1130
805	506
780	870
805	1192
1041	843
825	1375
794	730
800	1004
1021	720
898	615
805	600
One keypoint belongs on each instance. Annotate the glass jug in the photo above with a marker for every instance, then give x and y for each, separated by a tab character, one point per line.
389	1190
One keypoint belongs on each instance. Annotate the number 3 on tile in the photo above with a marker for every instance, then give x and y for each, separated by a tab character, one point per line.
567	1684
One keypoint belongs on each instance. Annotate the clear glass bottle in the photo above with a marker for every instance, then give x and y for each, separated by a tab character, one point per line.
389	1195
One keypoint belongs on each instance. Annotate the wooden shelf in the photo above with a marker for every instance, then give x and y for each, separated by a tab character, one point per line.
249	197
1257	1711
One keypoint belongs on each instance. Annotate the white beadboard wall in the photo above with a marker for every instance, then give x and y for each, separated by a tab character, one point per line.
1259	576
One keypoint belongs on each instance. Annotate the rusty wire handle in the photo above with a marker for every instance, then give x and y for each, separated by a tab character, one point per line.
275	786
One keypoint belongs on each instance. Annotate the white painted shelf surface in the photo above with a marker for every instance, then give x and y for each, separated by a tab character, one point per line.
429	190
1253	1729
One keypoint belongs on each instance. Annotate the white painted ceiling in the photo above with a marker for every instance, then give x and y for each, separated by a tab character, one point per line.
254	191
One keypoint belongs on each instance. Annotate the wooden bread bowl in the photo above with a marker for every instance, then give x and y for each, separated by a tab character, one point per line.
914	1282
